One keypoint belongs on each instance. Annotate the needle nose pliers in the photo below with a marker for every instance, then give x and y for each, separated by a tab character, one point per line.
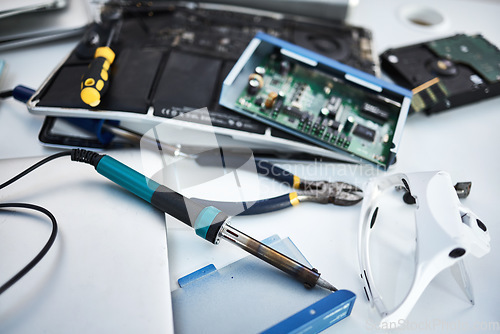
324	192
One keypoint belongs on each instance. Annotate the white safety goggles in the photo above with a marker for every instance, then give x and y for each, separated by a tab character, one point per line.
442	234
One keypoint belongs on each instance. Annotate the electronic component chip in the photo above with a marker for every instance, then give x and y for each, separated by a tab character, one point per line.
319	100
375	112
333	124
364	132
293	112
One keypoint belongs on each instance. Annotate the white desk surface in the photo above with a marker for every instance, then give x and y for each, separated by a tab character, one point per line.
462	141
108	268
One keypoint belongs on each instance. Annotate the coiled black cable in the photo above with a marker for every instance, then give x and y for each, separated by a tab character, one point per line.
76	155
45	248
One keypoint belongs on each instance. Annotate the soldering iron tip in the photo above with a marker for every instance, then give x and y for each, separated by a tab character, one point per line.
324	284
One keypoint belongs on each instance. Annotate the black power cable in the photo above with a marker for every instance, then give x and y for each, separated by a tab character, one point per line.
45	248
35	166
23	94
6	94
53	234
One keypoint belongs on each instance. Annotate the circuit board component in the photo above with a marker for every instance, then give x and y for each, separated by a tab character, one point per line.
474	50
352	112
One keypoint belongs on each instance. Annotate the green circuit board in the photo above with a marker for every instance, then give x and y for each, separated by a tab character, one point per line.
326	108
474	51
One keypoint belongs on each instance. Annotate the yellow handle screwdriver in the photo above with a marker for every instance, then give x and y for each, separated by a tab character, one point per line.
95	80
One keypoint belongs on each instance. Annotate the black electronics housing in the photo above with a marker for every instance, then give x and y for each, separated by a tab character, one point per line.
467	66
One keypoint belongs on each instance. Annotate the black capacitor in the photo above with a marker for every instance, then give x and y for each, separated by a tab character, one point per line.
260	70
285	67
348	124
253	86
325	112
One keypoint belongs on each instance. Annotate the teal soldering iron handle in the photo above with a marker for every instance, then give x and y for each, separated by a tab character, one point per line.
206	220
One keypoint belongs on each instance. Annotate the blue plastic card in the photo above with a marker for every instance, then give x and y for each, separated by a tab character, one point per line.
250	296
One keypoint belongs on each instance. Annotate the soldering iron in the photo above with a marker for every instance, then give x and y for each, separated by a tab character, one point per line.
208	222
